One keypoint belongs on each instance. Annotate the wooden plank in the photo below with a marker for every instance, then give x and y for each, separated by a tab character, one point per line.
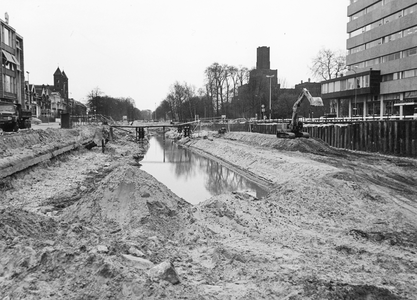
380	136
366	136
407	139
396	139
374	136
390	137
345	131
336	136
414	139
31	161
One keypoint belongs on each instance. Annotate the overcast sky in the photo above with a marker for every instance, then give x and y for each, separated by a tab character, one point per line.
138	49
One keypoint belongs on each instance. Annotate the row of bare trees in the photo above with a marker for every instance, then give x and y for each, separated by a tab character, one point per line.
222	82
219	95
184	102
101	104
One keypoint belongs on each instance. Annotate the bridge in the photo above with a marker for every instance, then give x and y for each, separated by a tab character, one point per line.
140	129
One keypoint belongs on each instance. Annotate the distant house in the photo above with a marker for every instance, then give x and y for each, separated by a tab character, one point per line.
52	101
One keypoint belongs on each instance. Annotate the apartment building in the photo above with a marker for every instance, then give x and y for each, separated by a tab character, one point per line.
382	61
12	84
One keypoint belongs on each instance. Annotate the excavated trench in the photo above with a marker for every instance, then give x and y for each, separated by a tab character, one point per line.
191	176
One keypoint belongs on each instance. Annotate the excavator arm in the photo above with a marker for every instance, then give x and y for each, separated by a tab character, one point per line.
294	125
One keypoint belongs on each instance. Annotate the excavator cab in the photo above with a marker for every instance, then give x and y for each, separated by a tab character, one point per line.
294	127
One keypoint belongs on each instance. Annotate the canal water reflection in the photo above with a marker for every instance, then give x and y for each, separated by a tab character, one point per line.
191	176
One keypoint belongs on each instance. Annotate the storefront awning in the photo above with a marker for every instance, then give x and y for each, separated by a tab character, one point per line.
10	58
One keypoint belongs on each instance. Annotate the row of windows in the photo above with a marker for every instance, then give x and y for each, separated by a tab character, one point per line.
386	58
396	96
384	40
345	84
368	9
9	84
390	18
399	75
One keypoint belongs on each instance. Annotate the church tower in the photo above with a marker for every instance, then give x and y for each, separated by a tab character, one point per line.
61	83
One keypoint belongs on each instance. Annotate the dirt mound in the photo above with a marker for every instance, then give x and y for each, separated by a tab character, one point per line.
128	203
30	138
304	145
19	223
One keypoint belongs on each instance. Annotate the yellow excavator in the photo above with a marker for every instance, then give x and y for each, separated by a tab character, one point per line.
294	128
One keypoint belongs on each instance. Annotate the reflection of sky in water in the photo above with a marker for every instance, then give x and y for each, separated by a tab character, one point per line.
191	176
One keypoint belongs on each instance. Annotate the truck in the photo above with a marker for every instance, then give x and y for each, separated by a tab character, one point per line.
293	129
13	117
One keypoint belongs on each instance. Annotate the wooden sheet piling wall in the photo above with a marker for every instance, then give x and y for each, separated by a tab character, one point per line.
397	137
389	137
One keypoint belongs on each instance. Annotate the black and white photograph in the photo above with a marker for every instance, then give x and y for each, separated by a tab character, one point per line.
208	150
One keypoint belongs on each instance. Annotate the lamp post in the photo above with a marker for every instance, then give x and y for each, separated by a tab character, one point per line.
356	92
270	109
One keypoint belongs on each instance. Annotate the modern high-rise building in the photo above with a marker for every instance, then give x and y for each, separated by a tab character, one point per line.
12	84
382	61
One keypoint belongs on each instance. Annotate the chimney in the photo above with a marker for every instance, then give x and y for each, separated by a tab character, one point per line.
309	80
6	17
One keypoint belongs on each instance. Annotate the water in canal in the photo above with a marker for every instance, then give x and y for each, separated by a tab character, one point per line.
191	176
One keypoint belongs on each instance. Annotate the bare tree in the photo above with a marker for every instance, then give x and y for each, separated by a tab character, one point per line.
282	82
327	64
242	75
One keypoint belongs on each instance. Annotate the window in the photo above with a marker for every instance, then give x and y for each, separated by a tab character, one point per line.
350	83
411	30
365	81
391	57
358	65
409	95
375	24
393	17
337	86
391	97
387	77
410	52
8	84
372	62
343	85
408	73
393	37
6	36
331	87
373	43
357	49
357	32
324	88
373	7
357	15
410	10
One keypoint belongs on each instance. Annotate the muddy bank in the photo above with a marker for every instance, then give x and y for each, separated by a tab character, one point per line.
93	225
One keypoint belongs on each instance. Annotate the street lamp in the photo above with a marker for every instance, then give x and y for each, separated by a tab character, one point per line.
270	110
356	92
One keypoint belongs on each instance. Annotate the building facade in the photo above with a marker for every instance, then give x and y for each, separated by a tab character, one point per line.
382	59
12	84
